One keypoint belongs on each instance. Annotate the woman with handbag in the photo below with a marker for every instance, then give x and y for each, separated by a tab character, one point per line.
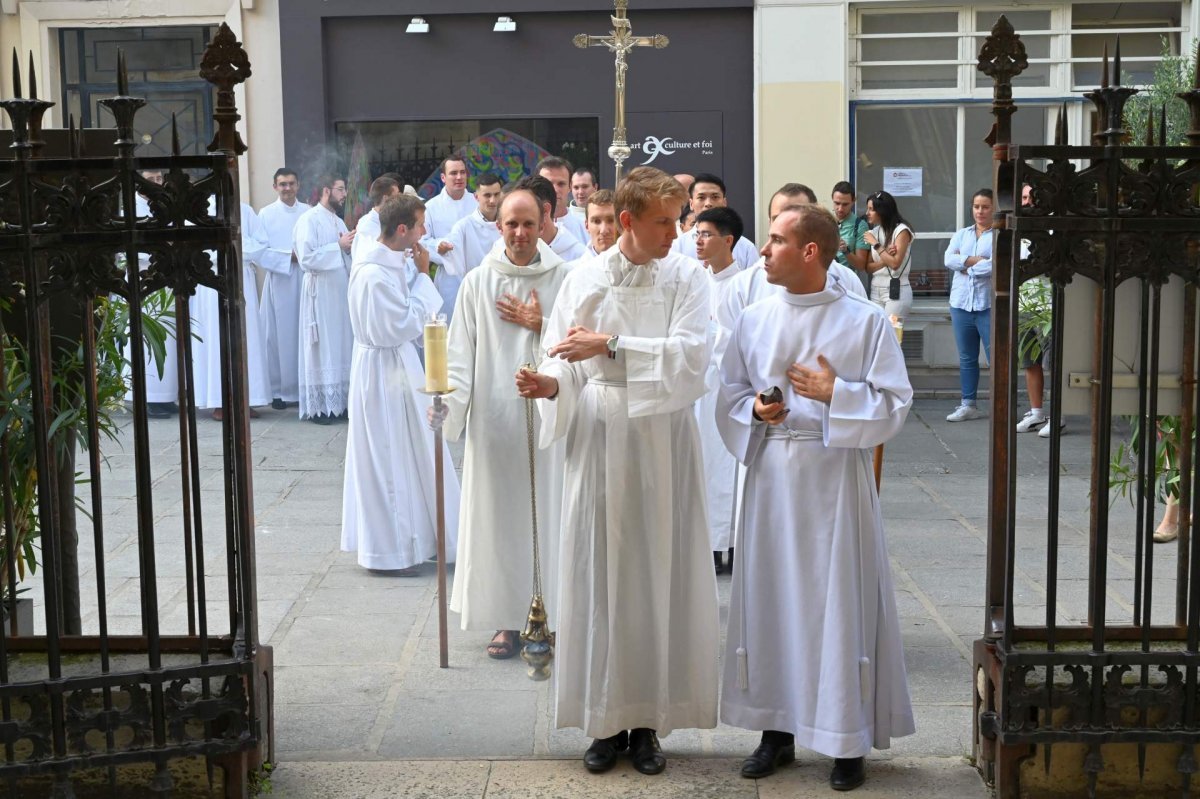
969	258
891	239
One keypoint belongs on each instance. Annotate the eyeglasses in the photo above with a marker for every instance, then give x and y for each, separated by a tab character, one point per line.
705	234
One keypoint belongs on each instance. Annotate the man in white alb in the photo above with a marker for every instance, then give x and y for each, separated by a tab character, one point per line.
638	630
280	303
558	172
708	191
813	654
389	501
602	224
501	310
718	230
366	232
471	239
583	185
322	246
561	240
445	208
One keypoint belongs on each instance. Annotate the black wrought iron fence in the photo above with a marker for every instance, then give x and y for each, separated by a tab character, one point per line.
1119	217
77	232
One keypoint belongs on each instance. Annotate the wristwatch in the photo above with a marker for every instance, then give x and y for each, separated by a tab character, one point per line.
612	346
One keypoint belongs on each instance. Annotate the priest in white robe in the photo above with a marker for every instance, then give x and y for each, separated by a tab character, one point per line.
471	239
389	500
206	327
813	654
451	204
719	229
280	303
502	309
708	191
366	231
162	379
322	246
637	625
558	172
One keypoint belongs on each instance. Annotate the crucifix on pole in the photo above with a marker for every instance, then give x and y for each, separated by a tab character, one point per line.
620	40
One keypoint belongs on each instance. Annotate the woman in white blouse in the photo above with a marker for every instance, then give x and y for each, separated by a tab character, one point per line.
891	240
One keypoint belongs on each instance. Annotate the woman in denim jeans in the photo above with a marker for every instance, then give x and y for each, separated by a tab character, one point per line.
969	257
891	240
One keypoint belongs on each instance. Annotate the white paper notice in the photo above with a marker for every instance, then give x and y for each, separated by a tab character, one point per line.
901	181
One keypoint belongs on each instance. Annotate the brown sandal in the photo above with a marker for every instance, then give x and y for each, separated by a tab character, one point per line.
503	645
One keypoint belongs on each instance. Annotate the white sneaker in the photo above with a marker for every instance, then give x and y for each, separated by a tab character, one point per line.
1032	420
1045	431
965	413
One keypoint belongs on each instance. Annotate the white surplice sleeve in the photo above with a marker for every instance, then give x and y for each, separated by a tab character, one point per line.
276	259
741	433
254	237
556	414
871	411
455	261
464	342
667	374
395	312
315	257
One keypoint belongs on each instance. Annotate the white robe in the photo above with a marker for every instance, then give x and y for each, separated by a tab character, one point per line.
473	238
744	251
577	225
326	340
280	305
566	246
165	387
365	236
389	510
441	212
812	606
206	325
720	467
494	575
638	627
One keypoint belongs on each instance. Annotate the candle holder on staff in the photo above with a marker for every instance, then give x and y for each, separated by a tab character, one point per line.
437	385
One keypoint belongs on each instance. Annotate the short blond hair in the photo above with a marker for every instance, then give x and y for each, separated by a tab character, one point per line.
645	185
817	225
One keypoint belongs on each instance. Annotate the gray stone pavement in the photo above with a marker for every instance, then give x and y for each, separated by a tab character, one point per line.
362	709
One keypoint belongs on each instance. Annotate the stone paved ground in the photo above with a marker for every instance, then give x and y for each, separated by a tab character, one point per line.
362	709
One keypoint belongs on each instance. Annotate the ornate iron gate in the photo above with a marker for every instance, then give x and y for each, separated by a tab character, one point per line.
71	237
1111	214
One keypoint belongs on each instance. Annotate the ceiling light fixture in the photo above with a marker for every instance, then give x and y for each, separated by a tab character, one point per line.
505	25
418	25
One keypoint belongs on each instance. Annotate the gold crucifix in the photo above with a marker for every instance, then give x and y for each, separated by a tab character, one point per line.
620	40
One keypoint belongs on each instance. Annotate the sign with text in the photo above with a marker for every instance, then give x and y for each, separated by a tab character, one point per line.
903	181
676	141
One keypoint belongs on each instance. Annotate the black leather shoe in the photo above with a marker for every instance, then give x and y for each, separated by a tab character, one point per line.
278	404
602	754
322	419
160	410
769	756
848	773
645	752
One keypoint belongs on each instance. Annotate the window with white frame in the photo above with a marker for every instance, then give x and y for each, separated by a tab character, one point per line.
918	102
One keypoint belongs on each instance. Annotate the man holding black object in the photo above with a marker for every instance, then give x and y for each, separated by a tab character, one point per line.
811	380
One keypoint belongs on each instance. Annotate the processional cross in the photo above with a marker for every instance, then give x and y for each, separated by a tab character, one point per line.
620	40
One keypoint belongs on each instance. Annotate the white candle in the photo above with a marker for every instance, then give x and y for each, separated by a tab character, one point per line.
437	376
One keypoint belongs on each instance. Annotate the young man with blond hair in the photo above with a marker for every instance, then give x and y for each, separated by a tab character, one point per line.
638	630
